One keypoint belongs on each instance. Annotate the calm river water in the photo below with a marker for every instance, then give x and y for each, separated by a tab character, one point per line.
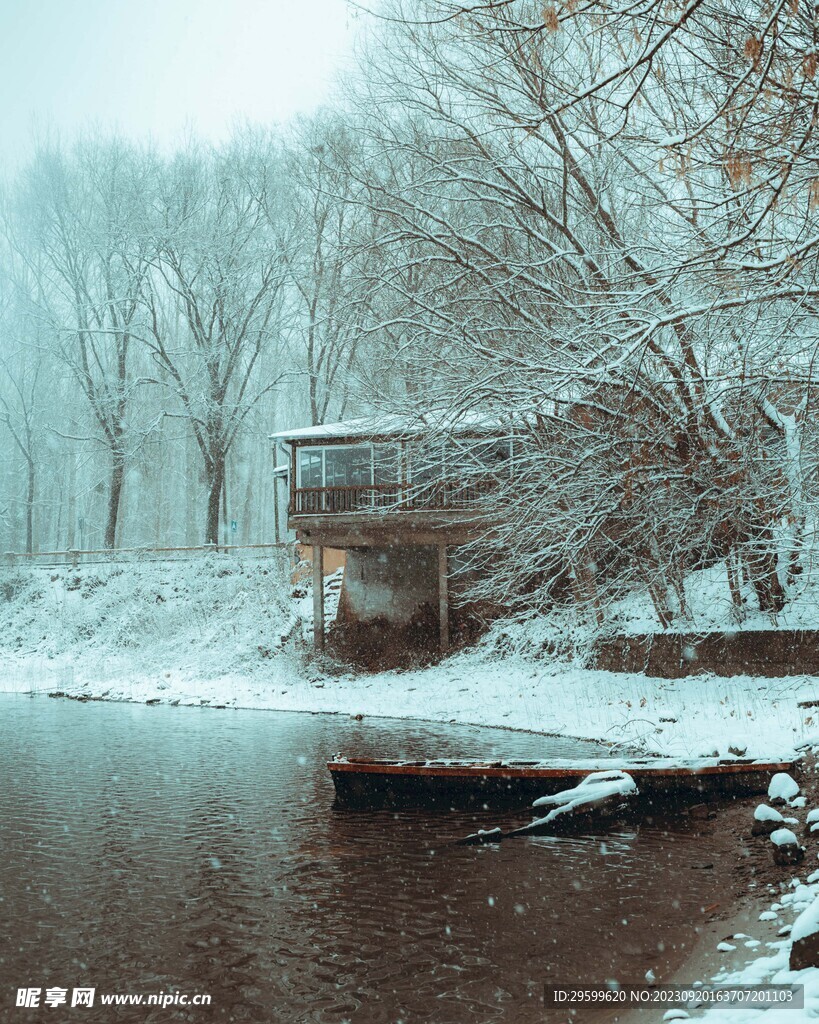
159	849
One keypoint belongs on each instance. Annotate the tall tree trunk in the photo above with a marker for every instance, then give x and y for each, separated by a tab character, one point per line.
192	491
225	523
30	508
216	477
762	564
734	568
248	505
114	495
71	503
315	416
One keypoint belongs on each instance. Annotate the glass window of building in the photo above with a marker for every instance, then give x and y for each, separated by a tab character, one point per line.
348	466
386	464
310	467
494	455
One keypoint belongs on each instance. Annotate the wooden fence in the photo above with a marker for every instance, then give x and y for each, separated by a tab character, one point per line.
99	556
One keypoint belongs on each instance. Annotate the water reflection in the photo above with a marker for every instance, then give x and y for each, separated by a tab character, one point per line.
151	849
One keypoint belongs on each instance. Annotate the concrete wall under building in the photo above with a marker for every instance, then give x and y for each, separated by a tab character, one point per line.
393	584
400	604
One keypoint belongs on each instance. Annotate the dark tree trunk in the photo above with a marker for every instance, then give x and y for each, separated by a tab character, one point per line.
762	566
732	564
216	477
114	495
315	417
225	527
30	509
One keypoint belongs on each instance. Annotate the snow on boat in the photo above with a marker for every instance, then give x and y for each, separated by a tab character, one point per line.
598	796
365	782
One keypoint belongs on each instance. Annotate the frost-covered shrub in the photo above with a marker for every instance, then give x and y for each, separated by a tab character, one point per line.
12	586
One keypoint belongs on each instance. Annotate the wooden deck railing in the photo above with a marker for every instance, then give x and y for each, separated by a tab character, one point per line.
437	496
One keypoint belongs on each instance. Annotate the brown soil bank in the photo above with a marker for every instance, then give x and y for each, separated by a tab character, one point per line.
774	652
755	882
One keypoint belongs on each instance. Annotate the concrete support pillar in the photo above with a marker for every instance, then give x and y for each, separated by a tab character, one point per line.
318	597
443	595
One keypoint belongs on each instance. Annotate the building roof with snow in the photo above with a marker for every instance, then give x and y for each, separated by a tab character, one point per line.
392	425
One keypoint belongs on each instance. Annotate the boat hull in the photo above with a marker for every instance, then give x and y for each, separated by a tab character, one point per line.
465	784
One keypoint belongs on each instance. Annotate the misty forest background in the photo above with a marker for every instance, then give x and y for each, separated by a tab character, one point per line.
597	224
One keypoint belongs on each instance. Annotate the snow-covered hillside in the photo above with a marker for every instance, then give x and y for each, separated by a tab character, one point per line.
567	631
210	616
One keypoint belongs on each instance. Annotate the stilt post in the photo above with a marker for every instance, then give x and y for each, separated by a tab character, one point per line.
443	595
318	596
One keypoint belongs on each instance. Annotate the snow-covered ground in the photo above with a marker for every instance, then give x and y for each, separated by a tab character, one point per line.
708	603
218	614
224	631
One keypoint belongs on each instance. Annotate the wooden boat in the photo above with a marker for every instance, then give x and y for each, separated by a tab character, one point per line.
364	782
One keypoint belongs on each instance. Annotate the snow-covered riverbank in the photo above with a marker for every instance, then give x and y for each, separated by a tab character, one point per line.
695	716
747	938
226	632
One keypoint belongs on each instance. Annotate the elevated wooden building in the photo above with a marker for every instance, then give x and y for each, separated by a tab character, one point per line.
399	497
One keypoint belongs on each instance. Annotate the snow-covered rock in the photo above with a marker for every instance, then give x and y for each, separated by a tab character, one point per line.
766	820
784	837
765	813
801	894
782	788
786	848
805	938
807	923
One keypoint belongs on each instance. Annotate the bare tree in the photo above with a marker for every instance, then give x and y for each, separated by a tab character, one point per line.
322	227
78	236
635	299
214	298
21	397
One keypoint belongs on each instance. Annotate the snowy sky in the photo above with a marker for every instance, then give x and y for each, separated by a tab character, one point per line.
158	67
